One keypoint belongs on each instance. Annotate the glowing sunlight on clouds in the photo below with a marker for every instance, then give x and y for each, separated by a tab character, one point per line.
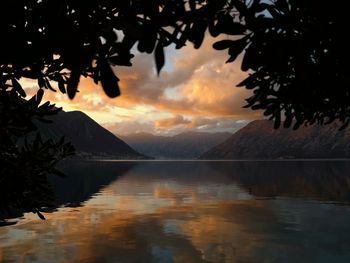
196	90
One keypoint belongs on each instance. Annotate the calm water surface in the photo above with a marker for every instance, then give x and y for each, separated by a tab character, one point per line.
292	211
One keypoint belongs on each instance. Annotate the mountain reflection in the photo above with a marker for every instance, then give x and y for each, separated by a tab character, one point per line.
318	180
84	178
195	212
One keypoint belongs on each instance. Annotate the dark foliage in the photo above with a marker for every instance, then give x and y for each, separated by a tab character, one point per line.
25	164
296	51
297	54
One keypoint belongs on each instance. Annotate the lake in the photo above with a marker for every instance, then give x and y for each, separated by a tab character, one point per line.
235	211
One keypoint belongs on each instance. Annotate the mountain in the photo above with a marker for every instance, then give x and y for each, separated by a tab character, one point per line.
259	140
187	145
88	137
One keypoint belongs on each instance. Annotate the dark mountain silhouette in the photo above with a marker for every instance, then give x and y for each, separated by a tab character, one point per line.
187	145
259	140
88	137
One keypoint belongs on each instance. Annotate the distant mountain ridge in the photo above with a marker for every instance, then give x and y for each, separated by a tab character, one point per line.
88	137
259	140
186	145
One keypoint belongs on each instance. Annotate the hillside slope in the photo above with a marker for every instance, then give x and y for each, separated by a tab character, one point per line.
258	140
87	136
187	145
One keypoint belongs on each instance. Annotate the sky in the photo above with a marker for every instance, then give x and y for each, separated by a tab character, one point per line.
194	91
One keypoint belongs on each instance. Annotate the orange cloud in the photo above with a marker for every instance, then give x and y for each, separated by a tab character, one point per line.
170	122
200	84
200	124
194	84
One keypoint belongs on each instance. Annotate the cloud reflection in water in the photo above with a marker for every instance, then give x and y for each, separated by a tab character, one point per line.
195	212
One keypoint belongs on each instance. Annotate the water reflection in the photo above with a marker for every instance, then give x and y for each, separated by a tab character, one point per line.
319	180
196	212
84	179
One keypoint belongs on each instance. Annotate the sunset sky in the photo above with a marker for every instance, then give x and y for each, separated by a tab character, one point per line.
195	91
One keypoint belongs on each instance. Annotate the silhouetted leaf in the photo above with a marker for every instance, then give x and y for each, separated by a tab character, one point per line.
159	56
227	25
198	32
61	86
48	85
41	83
249	58
223	44
213	30
269	110
17	87
288	121
241	7
73	83
236	48
42	217
39	96
247	82
277	122
183	38
121	60
147	43
96	74
108	80
256	106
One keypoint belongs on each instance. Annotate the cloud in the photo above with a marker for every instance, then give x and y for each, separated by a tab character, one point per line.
171	122
176	124
216	124
127	127
200	83
195	86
